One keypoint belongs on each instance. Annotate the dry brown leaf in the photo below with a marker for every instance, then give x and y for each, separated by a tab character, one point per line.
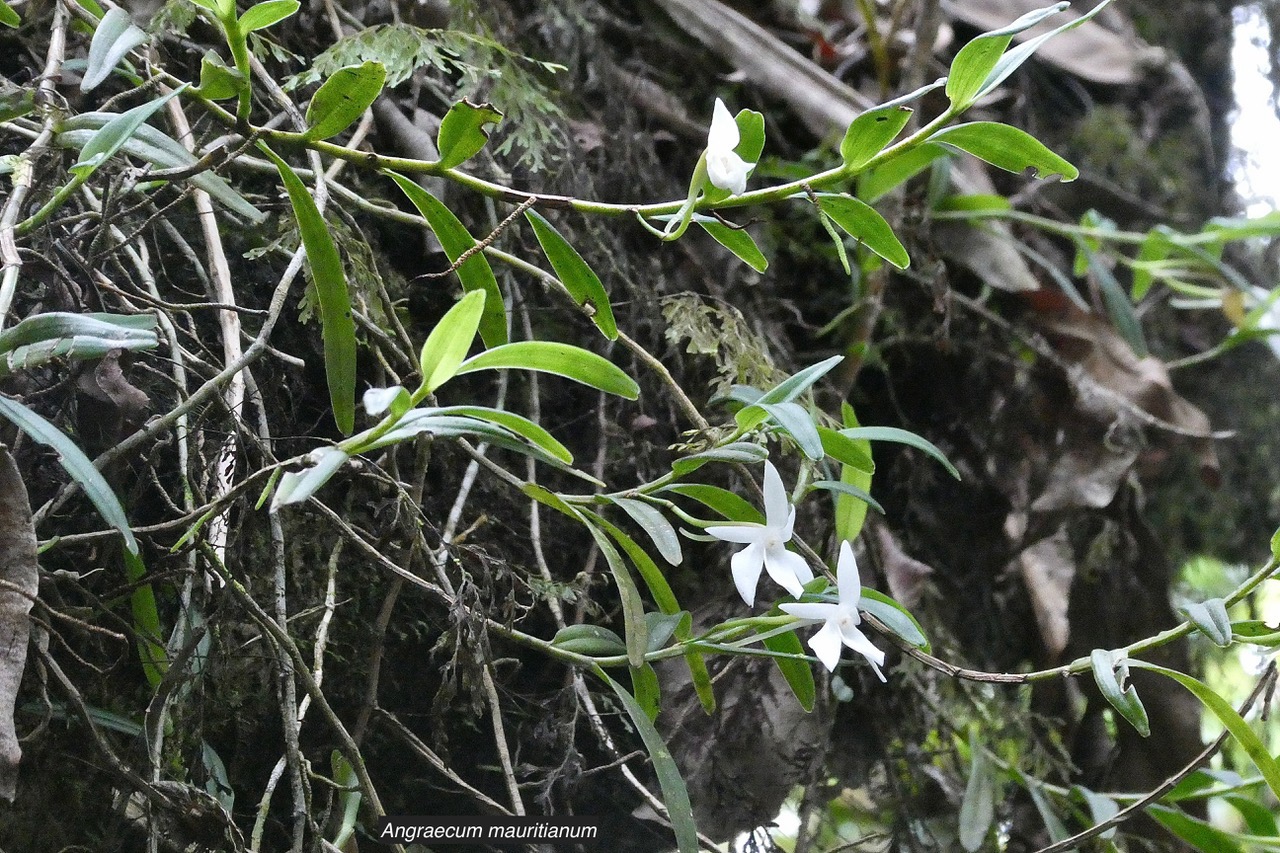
18	570
1048	569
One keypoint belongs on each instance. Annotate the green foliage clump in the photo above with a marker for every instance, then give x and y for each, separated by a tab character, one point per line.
481	65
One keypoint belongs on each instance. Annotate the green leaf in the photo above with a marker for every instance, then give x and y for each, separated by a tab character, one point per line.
652	576
560	359
975	202
664	626
56	334
1006	147
337	326
1013	59
76	464
644	683
1101	808
1275	545
875	183
736	240
1256	816
977	809
1052	823
518	424
443	423
578	278
1197	833
894	616
8	17
637	630
475	273
219	81
108	139
870	132
1110	673
1211	618
344	96
114	37
861	221
1255	631
796	670
701	680
856	472
1156	247
902	436
674	792
297	486
656	526
1119	307
850	489
855	452
146	620
348	798
462	132
785	391
591	640
738	451
722	501
977	60
446	347
263	15
1240	730
796	422
155	147
545	496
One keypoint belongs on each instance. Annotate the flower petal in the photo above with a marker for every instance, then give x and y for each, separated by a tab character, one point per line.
777	510
789	569
856	640
814	610
742	534
826	645
727	170
847	580
746	565
723	135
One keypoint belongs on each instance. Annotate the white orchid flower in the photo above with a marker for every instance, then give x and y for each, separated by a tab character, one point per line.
725	168
766	544
839	621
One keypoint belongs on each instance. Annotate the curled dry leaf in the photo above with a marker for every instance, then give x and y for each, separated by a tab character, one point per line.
18	572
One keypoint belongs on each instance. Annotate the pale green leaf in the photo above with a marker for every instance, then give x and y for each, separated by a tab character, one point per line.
462	132
447	345
73	460
263	15
114	37
655	526
560	359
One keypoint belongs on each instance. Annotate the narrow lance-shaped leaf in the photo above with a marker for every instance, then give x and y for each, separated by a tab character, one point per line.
863	223
1110	675
1013	59
462	132
1006	147
902	436
644	683
1212	620
796	422
75	463
894	616
337	325
447	345
855	472
518	424
561	359
797	671
146	620
785	391
475	272
297	486
656	526
103	144
1230	719
879	181
975	61
870	132
574	273
592	640
674	792
637	630
115	36
263	15
653	578
8	17
977	809
736	240
343	98
729	504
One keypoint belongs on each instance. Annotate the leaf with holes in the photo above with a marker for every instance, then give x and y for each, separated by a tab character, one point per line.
462	132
